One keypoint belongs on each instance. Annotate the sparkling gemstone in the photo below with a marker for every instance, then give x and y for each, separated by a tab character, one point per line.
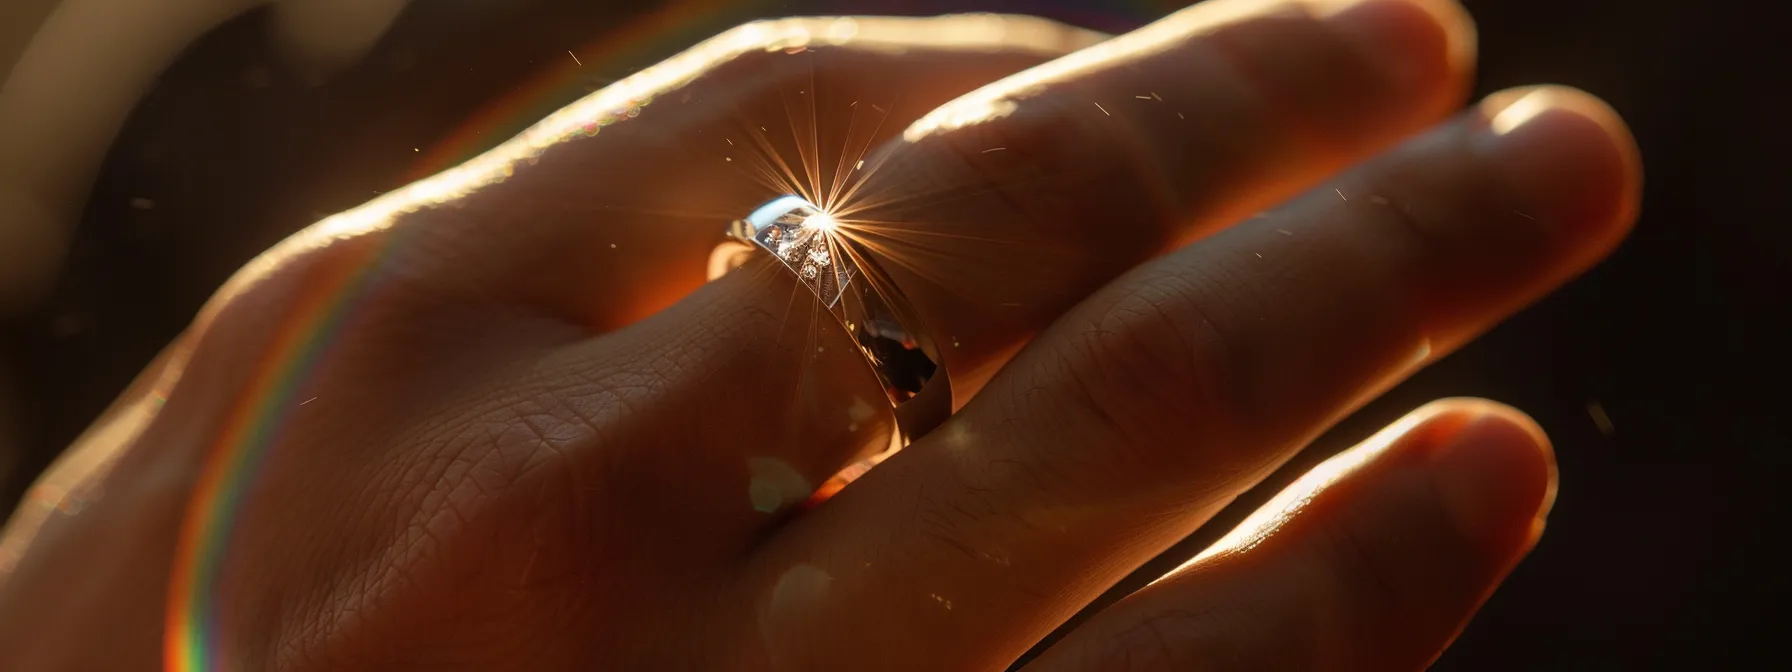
789	228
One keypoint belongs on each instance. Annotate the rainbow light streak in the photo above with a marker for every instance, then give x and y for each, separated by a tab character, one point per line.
313	327
232	463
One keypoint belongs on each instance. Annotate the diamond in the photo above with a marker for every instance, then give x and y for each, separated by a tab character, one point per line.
799	234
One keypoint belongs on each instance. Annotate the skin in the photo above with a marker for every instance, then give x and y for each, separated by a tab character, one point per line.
517	457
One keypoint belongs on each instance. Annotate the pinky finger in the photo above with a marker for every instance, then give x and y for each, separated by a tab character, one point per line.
1374	560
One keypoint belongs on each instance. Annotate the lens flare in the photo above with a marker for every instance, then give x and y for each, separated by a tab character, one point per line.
822	222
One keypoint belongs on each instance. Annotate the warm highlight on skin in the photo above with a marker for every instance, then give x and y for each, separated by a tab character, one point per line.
497	419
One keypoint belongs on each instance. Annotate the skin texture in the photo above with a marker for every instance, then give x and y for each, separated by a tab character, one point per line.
528	450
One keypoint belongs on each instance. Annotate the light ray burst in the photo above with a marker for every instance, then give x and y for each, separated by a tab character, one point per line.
841	179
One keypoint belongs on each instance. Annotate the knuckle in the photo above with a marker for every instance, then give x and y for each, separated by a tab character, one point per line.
1153	365
1019	174
1451	221
1404	218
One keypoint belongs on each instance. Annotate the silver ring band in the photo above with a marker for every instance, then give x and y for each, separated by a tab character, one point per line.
852	287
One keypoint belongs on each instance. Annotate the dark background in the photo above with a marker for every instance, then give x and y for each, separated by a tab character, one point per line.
1660	547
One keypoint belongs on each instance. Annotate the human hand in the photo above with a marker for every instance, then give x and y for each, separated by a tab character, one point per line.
459	428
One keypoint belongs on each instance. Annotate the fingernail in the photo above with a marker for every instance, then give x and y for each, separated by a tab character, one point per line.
1414	42
1568	157
1496	477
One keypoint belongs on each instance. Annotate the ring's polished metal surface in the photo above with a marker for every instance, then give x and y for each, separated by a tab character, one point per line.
856	291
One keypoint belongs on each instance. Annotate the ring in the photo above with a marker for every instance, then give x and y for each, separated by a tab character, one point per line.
856	291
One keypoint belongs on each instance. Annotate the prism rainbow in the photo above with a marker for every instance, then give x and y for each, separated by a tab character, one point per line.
311	330
304	339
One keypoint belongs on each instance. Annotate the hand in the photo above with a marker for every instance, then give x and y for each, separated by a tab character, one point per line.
498	420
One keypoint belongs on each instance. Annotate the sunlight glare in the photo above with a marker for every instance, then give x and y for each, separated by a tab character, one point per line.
822	222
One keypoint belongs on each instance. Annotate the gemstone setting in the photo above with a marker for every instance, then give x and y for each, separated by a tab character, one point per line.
804	239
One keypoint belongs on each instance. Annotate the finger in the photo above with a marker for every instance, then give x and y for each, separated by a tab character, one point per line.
504	266
1374	560
1005	207
1160	398
768	355
606	210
